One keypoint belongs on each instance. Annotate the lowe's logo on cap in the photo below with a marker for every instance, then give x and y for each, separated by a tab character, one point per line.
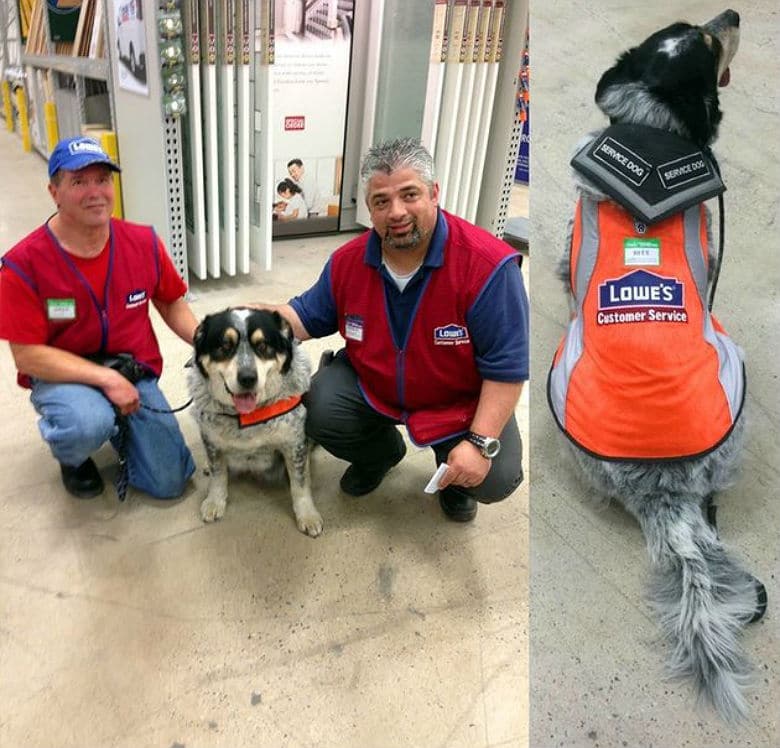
640	289
77	153
451	334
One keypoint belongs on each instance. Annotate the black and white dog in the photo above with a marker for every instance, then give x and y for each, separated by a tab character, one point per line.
247	383
640	326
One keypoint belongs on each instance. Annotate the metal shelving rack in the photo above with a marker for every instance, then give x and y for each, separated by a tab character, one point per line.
506	127
79	70
146	137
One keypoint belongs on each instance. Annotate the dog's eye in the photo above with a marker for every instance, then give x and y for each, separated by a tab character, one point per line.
263	349
225	349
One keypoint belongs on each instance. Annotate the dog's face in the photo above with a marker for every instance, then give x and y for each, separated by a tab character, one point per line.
238	349
671	80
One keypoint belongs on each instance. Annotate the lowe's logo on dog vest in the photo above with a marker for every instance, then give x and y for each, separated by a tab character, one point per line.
641	289
451	334
640	297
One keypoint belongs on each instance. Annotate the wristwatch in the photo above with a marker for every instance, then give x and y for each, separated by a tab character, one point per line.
487	445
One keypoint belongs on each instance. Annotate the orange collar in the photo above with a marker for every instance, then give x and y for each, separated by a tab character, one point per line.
268	412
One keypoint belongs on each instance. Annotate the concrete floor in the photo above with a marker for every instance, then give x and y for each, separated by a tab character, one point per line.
597	674
137	625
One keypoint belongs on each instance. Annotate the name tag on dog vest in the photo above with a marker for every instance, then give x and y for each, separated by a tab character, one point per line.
652	173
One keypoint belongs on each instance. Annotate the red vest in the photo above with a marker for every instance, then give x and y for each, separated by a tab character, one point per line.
432	383
122	325
644	370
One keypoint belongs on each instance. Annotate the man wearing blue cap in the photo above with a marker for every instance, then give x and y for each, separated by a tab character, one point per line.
76	291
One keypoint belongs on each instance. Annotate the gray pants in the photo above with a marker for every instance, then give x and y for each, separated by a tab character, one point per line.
339	419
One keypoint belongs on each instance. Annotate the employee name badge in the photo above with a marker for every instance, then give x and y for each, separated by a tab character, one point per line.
642	252
354	328
60	309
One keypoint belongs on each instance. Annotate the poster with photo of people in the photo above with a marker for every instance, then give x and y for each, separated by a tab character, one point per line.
311	76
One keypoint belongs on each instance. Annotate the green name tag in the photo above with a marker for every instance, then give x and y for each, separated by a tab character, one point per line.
59	309
642	251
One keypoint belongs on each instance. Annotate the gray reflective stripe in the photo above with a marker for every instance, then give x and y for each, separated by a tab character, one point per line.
572	348
691	229
729	353
730	371
589	248
561	373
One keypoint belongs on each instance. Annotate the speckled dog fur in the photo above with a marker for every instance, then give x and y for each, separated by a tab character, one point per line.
244	352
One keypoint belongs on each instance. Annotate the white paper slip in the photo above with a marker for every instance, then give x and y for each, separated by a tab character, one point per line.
433	483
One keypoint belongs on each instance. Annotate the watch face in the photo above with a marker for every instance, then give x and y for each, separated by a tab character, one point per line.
489	446
492	448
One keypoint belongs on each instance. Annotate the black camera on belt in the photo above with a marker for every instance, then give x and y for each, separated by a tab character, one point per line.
124	363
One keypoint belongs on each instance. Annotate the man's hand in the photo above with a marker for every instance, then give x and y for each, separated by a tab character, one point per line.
121	393
467	466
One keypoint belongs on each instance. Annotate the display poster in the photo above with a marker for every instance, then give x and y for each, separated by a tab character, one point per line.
310	83
131	45
522	172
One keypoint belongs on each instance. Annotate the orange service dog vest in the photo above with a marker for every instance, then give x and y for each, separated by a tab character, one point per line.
644	371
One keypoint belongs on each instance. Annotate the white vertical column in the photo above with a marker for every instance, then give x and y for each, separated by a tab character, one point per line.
465	103
244	126
260	232
453	78
495	39
227	135
210	145
435	82
475	136
196	237
374	48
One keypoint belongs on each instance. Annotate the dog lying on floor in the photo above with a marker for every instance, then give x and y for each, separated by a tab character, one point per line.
246	385
646	384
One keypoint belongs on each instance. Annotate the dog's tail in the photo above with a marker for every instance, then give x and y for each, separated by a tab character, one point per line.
703	599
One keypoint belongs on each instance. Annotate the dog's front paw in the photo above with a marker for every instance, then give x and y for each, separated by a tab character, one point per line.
212	509
309	522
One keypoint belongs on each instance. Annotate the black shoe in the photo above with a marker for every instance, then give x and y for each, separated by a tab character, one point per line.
83	481
458	506
358	481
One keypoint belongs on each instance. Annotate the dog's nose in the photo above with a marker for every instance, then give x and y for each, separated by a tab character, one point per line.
247	378
731	17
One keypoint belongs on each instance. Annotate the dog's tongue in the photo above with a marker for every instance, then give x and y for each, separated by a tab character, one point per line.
725	78
244	403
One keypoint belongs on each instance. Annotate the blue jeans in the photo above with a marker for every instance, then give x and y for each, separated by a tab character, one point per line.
75	420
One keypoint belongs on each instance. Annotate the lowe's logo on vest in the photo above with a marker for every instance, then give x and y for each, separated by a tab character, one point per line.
641	296
451	334
135	298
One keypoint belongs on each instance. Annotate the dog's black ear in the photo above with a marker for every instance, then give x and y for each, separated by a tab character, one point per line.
286	341
199	343
284	326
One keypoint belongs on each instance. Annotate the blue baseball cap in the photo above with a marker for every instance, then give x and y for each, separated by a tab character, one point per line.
73	154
